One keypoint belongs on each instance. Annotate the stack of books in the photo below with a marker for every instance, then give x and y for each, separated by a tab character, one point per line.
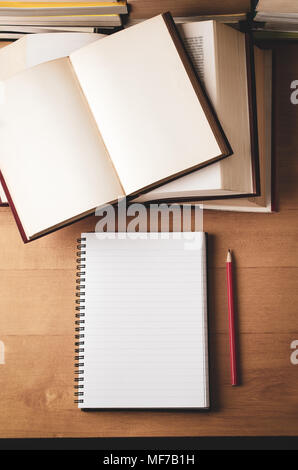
19	18
276	20
277	15
189	121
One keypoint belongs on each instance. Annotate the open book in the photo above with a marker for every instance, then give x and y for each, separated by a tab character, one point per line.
198	185
266	200
116	117
223	58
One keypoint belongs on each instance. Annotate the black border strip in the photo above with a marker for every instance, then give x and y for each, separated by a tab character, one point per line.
155	443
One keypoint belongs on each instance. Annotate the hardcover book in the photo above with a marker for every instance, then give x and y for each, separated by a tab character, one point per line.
74	136
223	58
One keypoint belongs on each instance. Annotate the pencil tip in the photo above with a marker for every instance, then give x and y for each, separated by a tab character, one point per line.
229	256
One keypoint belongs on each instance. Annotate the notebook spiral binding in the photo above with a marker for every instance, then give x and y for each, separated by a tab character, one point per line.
79	322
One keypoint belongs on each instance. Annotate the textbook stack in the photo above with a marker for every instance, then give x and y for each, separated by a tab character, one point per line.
20	18
193	126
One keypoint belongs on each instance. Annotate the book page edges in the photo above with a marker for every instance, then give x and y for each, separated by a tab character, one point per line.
249	148
263	67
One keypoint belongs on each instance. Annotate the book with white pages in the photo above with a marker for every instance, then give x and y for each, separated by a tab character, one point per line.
34	49
66	20
266	201
142	330
195	187
223	57
89	139
44	29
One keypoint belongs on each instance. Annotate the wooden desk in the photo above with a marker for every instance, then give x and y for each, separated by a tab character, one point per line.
37	317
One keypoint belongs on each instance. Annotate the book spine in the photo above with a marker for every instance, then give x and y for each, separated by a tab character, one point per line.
80	322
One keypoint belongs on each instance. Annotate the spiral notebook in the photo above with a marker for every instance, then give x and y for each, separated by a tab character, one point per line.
141	327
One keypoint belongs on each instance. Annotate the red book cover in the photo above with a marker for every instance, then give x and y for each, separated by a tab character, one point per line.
15	214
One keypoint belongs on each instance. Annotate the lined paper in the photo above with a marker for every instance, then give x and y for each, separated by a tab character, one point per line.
145	321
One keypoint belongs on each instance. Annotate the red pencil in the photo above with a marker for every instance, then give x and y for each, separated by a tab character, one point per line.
231	319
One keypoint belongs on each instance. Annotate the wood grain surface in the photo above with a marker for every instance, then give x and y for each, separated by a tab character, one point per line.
37	316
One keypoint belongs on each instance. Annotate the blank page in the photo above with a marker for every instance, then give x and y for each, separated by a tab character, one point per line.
145	321
52	157
145	105
232	175
33	49
198	38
